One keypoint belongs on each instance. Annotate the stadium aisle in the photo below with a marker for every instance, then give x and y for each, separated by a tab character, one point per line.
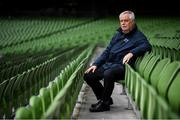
119	110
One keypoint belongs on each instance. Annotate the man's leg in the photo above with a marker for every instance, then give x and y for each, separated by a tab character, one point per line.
93	80
110	76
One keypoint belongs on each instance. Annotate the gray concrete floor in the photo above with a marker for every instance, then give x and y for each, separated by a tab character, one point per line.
119	110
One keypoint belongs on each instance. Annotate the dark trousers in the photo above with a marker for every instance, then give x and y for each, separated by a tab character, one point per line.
109	76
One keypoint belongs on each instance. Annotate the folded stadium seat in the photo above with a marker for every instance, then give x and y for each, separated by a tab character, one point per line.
176	53
17	90
155	50
152	106
3	105
8	91
144	62
8	97
167	53
33	90
162	109
161	43
152	103
155	75
46	98
35	81
25	88
138	86
157	107
60	81
128	75
53	90
138	65
164	52
58	108
149	67
45	76
2	73
133	83
3	86
173	94
143	97
138	61
24	113
173	44
36	104
167	77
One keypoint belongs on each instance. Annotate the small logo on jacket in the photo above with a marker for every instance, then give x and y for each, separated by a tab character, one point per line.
125	40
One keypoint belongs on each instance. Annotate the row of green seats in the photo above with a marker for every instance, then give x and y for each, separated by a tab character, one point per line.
17	90
21	30
61	87
157	76
18	67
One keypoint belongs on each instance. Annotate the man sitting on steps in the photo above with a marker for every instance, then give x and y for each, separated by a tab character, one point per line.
125	46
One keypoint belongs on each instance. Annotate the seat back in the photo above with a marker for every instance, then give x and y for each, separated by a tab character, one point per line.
37	106
46	98
24	113
166	77
53	90
150	66
154	77
144	62
173	94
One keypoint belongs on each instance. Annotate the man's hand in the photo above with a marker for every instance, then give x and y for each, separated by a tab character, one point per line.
93	68
127	57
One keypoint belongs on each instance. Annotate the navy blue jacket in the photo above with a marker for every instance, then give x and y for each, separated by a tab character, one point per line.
121	44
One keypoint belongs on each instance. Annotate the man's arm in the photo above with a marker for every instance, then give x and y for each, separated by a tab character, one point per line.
104	56
141	47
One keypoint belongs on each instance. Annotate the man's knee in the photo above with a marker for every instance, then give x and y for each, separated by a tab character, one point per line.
108	74
86	76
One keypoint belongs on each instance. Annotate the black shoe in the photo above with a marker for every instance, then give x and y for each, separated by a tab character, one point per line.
102	106
110	102
95	104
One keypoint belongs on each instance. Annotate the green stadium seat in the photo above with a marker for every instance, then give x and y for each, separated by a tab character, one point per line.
3	87
23	113
144	62
173	94
37	106
3	104
17	90
143	97
138	90
152	103
46	98
166	78
53	90
155	75
150	66
138	61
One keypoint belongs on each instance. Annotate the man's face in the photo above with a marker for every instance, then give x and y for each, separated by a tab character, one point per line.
126	23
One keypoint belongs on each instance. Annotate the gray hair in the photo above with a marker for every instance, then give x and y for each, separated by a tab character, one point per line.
130	13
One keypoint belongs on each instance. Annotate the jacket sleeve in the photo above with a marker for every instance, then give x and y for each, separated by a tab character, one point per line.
142	46
104	56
